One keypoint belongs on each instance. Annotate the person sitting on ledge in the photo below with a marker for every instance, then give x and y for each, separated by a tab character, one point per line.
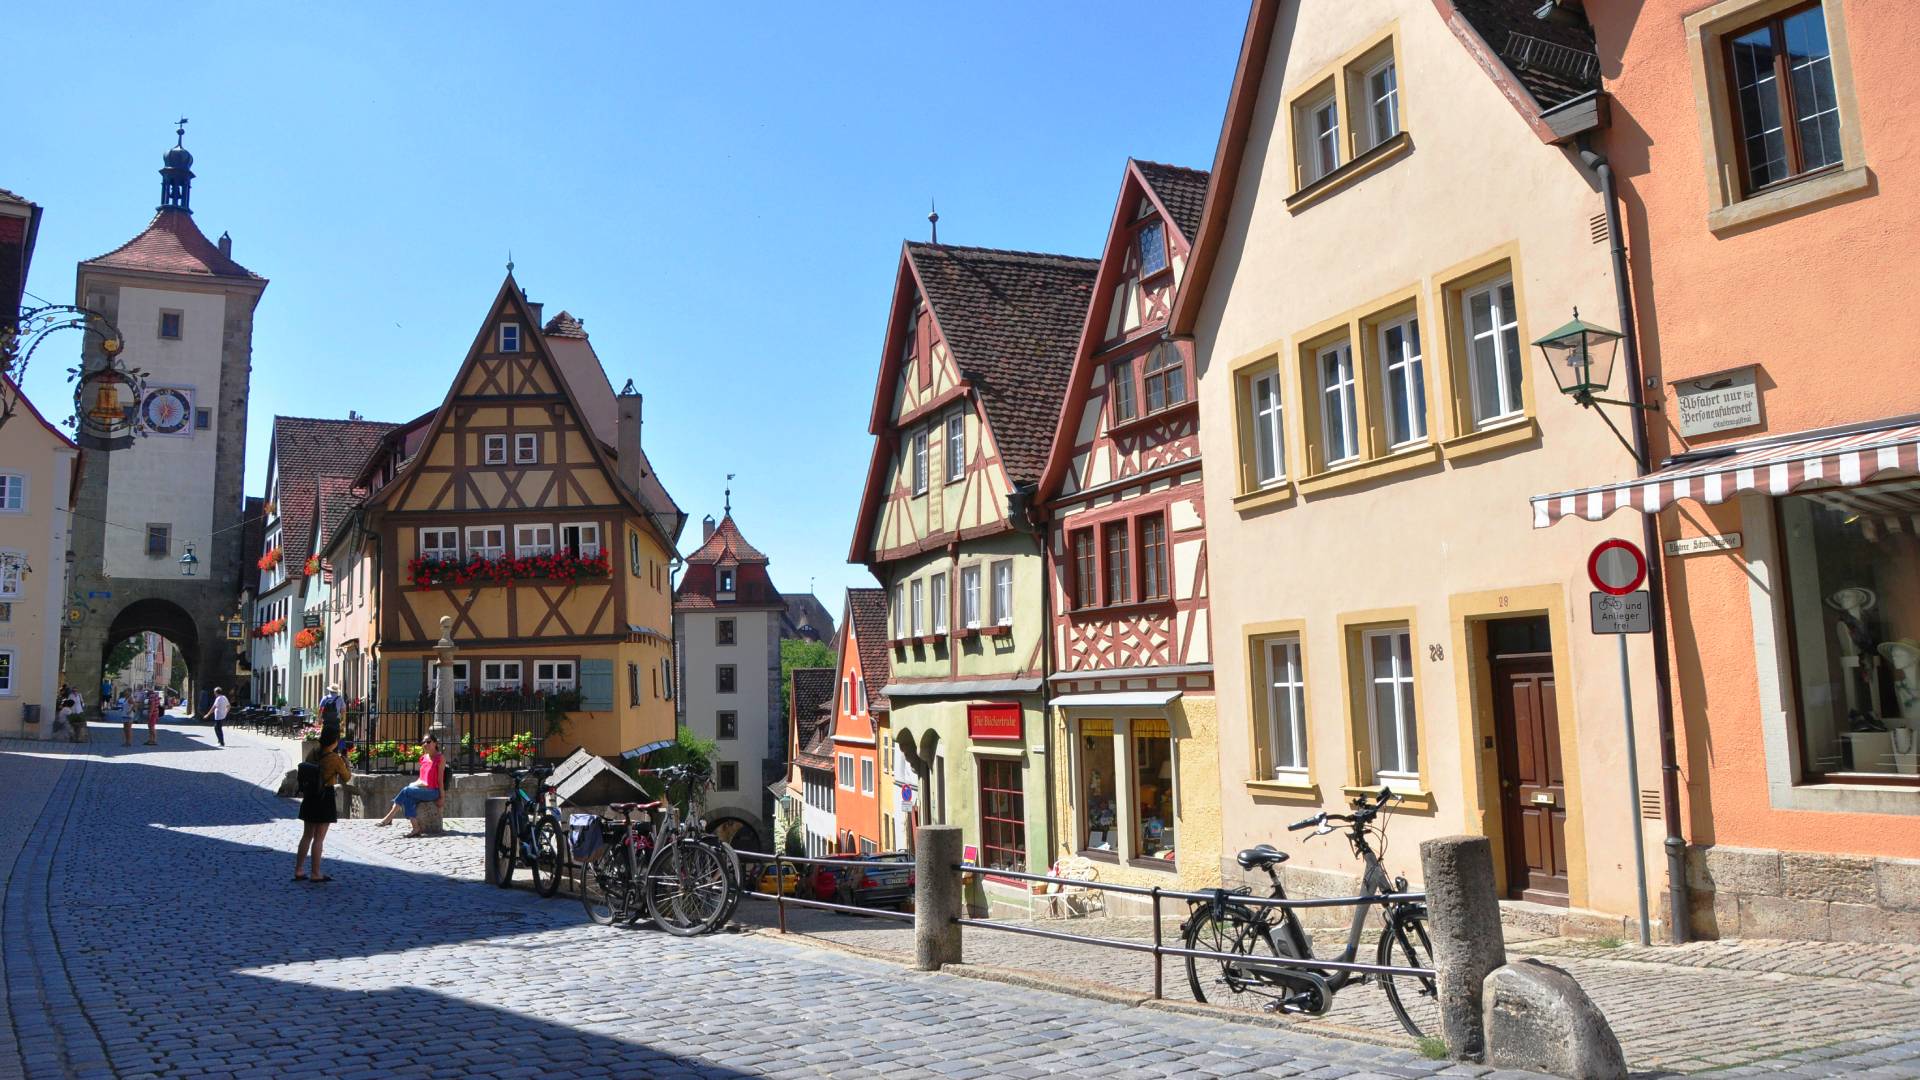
425	789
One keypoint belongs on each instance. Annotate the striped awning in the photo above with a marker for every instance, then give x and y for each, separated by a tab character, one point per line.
1775	466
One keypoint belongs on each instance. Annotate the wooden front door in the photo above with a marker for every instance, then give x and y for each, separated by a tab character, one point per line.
1533	799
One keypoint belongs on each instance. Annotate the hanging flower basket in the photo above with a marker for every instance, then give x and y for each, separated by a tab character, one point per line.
271	559
306	639
270	628
312	565
563	567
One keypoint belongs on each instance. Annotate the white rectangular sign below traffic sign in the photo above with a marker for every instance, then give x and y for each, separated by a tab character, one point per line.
1629	614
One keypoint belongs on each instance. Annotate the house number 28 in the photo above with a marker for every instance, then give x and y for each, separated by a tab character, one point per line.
1436	653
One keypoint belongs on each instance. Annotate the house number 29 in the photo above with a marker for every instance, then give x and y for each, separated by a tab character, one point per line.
1436	653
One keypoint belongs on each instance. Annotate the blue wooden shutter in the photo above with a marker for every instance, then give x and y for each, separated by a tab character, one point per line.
596	685
405	679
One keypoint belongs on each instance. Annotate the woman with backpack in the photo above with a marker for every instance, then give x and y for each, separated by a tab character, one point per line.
318	809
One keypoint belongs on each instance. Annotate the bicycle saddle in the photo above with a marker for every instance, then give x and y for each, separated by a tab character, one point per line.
1259	856
630	807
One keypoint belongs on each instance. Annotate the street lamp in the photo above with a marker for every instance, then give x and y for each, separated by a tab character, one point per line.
1581	356
188	562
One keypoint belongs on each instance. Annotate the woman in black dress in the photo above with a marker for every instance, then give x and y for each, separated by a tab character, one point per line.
318	809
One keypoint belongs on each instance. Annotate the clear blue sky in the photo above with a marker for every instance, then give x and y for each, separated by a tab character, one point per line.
719	194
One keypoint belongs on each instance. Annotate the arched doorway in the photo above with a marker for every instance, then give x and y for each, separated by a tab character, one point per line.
740	834
131	655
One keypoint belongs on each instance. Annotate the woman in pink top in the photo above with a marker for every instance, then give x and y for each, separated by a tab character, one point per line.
425	789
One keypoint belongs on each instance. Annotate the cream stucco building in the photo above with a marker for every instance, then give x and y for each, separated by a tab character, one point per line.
36	489
1391	222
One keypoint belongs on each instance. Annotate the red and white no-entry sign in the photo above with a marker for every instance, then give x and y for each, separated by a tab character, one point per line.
1616	567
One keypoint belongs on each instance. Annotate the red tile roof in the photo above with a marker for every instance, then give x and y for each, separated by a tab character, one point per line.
867	616
173	244
726	544
1181	190
811	699
752	586
1012	319
564	325
305	449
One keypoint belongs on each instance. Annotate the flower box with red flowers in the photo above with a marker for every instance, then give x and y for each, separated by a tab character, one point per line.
306	639
563	567
270	560
270	628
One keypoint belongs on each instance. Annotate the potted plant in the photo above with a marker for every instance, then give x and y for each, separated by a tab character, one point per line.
510	754
384	753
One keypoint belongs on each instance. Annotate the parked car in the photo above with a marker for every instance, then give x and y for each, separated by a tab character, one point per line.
783	879
867	885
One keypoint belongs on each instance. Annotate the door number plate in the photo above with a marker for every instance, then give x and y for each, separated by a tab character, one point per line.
1543	798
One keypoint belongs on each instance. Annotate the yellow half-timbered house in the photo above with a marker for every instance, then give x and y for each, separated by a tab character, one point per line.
527	513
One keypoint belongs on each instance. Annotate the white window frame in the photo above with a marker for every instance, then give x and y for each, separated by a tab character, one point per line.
918	453
524	548
510	337
1339	393
491	542
493	449
499	680
724	581
1269	431
1390	97
526	448
843	771
956	447
899	610
860	695
8	661
1512	398
589	548
917	590
1406	728
13	493
1286	682
1411	366
937	590
433	542
970	596
867	782
1003	592
553	681
1323	143
462	676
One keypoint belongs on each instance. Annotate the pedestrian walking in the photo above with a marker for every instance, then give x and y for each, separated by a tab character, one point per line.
218	711
331	706
155	702
127	705
425	789
318	807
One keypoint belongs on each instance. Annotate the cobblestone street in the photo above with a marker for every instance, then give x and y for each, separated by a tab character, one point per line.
152	930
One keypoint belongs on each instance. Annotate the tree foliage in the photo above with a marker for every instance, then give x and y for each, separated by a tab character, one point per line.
121	656
796	653
687	749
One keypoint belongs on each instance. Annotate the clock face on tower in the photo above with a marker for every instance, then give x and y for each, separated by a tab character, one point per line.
166	411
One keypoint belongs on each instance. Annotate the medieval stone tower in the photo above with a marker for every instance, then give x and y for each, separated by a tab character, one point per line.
184	310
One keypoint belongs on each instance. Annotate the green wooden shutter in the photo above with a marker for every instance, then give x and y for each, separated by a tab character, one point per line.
405	679
596	685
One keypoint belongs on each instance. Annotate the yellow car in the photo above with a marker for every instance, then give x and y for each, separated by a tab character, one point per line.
784	879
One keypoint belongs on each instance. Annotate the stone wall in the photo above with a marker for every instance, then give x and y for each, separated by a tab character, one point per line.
1762	893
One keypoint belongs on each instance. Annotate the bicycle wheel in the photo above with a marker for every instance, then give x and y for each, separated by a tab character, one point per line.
505	849
736	887
1225	930
1415	998
600	894
545	863
686	888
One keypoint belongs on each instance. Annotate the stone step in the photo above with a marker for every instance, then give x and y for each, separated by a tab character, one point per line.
1525	918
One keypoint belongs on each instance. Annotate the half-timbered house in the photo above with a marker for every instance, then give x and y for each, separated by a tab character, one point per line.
1132	674
978	347
525	511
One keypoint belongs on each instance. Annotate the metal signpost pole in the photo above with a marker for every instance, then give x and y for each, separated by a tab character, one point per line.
1633	792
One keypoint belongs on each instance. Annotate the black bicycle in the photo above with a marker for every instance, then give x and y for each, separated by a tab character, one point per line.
610	873
1227	923
530	834
692	881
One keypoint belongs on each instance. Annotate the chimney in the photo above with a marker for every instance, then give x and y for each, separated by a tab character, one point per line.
226	246
706	528
628	440
538	322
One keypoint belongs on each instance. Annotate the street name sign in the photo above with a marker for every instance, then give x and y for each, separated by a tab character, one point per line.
1628	614
1693	545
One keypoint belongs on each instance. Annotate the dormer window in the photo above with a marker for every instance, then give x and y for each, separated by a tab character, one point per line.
510	337
1153	248
726	581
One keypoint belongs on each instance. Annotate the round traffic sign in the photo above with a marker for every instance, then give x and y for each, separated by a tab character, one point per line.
1616	567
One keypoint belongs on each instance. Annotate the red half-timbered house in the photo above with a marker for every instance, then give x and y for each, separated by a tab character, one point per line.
1132	674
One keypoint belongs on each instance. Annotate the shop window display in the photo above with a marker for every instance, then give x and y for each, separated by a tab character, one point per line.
1852	561
1099	818
1153	782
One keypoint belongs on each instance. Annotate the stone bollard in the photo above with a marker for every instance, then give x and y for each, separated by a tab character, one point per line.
1540	1020
427	814
936	897
496	809
1463	917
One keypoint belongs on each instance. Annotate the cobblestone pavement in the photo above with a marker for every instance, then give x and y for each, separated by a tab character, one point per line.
1821	1008
152	930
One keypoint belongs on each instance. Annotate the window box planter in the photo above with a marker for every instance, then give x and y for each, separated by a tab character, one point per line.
966	632
998	631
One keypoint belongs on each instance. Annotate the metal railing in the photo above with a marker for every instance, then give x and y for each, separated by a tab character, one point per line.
781	900
1527	51
1161	950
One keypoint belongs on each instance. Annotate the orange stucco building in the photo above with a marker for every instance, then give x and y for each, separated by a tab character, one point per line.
1765	156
